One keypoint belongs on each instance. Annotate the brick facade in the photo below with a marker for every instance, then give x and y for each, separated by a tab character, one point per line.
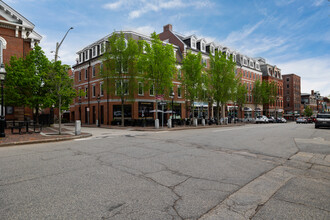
291	95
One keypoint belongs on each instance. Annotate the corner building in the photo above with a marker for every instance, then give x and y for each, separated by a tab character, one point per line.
95	106
291	96
17	38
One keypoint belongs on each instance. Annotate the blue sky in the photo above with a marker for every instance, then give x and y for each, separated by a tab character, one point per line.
292	34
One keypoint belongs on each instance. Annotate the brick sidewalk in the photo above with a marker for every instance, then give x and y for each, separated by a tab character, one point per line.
48	134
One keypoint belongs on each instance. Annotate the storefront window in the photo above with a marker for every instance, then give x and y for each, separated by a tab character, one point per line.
145	108
117	111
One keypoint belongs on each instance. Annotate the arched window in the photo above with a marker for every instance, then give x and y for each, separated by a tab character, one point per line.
3	44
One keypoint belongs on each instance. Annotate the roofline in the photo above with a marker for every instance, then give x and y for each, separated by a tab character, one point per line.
13	11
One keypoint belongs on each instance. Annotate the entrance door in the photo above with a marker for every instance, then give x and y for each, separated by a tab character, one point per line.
94	115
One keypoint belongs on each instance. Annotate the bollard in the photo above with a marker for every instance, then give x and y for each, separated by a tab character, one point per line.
203	122
169	123
195	123
157	123
77	126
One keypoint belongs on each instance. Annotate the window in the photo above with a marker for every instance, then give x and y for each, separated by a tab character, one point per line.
287	86
287	79
93	71
257	66
121	88
3	44
179	74
79	90
86	92
94	51
204	62
245	62
80	57
179	92
151	90
79	75
86	54
86	74
203	46
93	91
193	43
140	88
101	89
102	47
243	73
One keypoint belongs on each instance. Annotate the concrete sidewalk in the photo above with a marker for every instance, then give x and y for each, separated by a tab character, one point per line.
48	134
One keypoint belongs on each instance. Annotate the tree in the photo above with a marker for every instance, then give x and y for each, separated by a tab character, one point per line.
61	88
240	94
258	93
192	77
308	111
158	66
120	69
26	84
222	80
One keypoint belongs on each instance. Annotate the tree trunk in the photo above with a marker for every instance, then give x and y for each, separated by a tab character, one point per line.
218	112
156	108
122	112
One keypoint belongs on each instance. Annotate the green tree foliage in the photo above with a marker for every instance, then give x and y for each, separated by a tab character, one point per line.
158	66
120	71
222	80
192	77
26	83
61	88
308	111
240	94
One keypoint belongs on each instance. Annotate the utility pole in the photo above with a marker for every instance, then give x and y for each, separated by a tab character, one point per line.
58	45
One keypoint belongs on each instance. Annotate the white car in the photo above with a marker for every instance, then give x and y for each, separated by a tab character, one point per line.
261	119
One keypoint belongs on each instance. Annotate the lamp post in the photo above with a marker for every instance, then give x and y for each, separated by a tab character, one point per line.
79	101
58	45
2	118
98	111
172	96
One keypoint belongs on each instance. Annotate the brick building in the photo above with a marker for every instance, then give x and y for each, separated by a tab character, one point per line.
291	96
89	108
309	100
17	38
271	73
246	67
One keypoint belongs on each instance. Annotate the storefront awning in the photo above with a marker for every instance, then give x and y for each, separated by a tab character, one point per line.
257	110
247	109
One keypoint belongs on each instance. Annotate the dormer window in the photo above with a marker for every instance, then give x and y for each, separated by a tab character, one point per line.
245	61
80	57
203	46
234	57
251	64
212	49
94	51
193	43
86	54
102	47
257	66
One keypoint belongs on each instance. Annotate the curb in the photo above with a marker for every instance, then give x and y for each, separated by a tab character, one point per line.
46	140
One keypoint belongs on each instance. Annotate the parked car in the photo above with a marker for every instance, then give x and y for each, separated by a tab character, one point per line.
310	120
322	120
271	119
261	119
281	120
301	120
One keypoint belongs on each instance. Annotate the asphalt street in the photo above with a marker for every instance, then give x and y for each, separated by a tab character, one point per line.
264	171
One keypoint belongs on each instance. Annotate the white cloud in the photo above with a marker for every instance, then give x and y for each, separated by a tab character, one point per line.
139	7
146	30
318	2
113	5
314	73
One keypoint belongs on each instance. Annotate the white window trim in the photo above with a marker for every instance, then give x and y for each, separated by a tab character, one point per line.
179	87
203	43
86	92
153	90
101	90
93	71
86	73
140	83
193	46
93	89
94	51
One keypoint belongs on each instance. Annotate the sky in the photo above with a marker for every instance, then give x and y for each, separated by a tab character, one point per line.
294	35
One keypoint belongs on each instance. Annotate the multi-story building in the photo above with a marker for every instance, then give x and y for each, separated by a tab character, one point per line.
17	38
270	74
291	95
309	100
97	105
247	68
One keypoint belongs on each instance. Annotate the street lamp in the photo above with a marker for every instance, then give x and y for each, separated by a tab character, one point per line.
58	45
98	110
172	96
2	118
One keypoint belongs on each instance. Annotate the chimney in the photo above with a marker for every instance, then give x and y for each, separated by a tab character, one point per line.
312	92
168	27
